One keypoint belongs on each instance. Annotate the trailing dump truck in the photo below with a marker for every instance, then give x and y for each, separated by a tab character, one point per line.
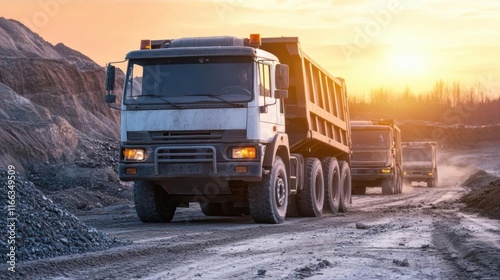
376	156
242	126
419	162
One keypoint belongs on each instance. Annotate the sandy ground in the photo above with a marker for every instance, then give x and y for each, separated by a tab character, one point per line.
419	234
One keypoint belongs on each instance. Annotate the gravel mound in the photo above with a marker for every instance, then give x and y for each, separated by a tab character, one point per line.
484	195
37	227
479	179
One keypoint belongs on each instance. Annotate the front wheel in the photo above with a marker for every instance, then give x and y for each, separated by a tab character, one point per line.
388	186
152	203
346	186
268	199
432	183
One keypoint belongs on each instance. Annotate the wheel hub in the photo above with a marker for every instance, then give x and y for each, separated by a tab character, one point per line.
280	192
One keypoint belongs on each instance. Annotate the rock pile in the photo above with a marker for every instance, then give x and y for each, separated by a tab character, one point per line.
38	226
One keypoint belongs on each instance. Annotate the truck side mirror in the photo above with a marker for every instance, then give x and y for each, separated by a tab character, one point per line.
281	76
110	77
110	98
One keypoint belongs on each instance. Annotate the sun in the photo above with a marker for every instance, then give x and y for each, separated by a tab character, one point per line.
407	63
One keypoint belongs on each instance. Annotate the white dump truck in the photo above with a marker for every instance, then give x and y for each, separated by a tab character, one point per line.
242	126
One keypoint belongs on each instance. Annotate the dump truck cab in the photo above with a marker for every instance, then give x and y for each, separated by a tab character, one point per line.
212	97
376	156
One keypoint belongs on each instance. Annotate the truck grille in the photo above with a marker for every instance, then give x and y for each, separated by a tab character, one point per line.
186	136
184	160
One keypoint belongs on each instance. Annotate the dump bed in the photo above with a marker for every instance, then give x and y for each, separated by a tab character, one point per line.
317	114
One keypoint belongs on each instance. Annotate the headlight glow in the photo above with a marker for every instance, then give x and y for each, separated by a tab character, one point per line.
244	152
134	154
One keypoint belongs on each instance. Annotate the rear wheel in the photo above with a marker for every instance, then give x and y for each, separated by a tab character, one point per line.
359	190
331	172
346	186
268	199
311	197
152	203
228	209
211	208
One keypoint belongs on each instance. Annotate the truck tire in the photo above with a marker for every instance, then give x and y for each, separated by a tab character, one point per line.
433	182
399	182
388	186
331	172
359	190
211	208
346	187
311	197
268	199
228	209
152	203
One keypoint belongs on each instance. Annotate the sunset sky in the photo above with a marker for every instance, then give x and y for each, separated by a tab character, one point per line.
371	44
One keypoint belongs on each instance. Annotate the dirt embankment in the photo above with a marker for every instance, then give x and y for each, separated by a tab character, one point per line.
49	94
61	138
484	195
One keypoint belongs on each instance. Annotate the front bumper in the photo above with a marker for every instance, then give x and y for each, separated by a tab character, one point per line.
191	161
225	170
371	174
416	175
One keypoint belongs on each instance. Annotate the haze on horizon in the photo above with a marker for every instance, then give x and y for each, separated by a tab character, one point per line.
392	44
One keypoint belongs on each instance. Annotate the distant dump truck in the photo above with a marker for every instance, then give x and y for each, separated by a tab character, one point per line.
376	156
239	125
419	162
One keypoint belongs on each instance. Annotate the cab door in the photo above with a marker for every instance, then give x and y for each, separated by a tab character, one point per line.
271	116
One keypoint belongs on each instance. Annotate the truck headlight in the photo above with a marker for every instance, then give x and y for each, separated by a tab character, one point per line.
244	152
134	154
386	171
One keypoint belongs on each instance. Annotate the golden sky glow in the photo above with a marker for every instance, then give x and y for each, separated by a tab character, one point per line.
387	43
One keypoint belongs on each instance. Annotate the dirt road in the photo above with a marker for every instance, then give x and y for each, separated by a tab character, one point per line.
420	234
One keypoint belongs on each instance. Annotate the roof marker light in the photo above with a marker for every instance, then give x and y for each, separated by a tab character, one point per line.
145	44
254	40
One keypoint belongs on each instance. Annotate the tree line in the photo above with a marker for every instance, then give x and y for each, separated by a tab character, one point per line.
451	103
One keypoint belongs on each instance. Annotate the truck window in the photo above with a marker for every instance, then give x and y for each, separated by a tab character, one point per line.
264	79
417	154
371	138
135	81
189	80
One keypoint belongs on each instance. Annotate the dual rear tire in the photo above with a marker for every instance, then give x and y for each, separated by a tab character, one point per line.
327	186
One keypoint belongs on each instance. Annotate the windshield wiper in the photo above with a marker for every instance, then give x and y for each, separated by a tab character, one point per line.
216	96
164	99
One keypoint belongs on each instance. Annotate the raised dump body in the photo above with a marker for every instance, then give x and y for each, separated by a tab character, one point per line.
317	116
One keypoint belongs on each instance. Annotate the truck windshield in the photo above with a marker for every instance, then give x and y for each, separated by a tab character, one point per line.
417	154
380	139
177	81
